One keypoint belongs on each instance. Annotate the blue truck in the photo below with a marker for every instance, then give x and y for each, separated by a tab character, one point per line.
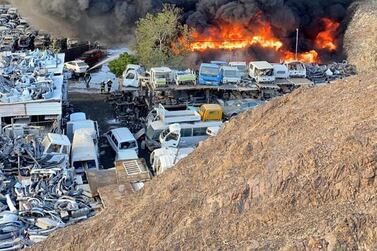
209	74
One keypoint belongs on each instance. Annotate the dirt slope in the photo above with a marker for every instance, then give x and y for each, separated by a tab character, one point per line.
361	36
298	173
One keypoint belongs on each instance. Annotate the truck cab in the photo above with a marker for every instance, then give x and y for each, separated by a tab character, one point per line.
230	75
131	76
209	74
185	77
56	143
161	76
165	158
241	67
262	72
280	71
296	69
211	112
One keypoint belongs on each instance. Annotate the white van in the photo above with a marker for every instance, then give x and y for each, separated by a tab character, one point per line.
123	142
186	135
84	154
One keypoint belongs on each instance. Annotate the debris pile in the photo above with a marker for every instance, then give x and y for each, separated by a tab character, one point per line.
129	109
15	32
43	197
330	72
25	76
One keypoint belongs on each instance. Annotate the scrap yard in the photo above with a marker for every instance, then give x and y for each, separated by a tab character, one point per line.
90	117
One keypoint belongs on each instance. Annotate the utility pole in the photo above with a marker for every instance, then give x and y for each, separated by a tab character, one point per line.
296	44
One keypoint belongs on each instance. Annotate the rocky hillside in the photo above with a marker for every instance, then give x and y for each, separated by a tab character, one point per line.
298	173
361	36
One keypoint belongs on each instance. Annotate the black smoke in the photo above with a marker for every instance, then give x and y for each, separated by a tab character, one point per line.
114	20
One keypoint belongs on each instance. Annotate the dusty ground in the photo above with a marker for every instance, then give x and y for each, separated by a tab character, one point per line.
361	36
298	173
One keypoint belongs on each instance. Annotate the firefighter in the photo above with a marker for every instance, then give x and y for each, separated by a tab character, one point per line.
102	87
109	84
87	79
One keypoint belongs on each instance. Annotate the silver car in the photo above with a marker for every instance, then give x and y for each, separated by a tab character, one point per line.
234	107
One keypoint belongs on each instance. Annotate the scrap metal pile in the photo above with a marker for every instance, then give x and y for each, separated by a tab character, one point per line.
15	32
24	76
329	72
129	109
42	198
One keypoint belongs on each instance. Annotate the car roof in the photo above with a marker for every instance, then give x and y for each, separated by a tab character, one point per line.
123	134
212	106
164	69
210	65
59	139
261	65
77	61
229	68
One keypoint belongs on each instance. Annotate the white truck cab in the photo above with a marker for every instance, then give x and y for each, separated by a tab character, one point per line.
56	143
296	69
163	159
262	72
241	67
230	75
161	76
132	75
123	142
280	71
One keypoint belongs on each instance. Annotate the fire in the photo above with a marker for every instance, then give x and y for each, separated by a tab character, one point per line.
326	39
234	36
237	36
305	57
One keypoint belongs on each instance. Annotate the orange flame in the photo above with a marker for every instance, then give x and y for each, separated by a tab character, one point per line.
326	39
237	36
305	57
234	36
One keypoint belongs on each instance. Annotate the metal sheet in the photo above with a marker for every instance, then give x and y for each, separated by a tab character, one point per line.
44	108
12	110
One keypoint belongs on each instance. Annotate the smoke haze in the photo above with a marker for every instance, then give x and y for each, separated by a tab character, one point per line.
114	20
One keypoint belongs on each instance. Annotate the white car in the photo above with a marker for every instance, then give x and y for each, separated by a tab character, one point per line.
123	143
77	66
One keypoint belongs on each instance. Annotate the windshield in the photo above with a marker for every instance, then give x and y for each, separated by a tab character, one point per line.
162	75
165	132
230	73
81	64
172	136
241	68
209	71
265	72
128	145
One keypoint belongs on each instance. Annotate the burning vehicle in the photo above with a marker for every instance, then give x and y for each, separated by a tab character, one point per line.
42	41
25	42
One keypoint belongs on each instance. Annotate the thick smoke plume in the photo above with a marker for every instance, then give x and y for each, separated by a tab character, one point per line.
114	20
